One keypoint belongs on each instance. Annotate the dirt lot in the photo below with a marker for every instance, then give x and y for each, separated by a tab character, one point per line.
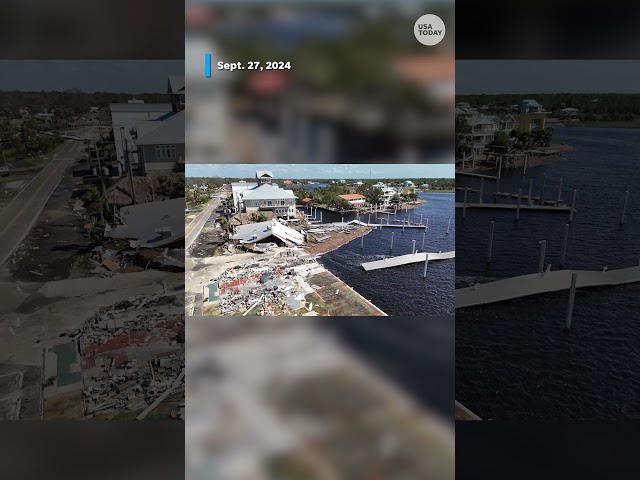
56	241
336	241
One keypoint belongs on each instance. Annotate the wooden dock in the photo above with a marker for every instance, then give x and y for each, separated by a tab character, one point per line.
536	283
513	206
476	175
406	260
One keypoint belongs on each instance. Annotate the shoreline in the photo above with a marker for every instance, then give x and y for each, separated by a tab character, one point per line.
334	245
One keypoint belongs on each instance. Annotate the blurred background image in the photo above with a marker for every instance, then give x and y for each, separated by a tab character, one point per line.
356	86
306	398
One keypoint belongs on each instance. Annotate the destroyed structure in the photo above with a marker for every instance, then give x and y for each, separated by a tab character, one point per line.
132	354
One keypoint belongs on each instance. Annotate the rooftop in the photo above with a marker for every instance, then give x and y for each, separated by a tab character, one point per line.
268	192
352	196
169	131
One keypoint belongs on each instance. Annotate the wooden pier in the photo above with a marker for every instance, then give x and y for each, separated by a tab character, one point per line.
514	206
536	283
406	260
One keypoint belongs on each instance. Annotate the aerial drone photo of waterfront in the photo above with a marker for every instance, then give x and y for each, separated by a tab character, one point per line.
547	292
320	240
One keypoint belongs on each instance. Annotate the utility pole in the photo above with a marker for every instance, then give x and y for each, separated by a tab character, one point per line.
128	162
103	195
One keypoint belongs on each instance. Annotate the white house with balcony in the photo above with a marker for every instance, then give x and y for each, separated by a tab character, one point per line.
267	197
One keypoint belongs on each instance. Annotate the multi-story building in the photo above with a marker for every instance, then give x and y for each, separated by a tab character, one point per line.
269	197
150	136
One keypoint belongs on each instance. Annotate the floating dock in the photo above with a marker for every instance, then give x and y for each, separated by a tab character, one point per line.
513	206
536	283
407	259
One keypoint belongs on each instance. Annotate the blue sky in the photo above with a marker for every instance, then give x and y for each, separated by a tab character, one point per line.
328	171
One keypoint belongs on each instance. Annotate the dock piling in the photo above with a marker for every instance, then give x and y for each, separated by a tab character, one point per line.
624	208
413	247
448	225
481	190
529	201
424	237
560	191
572	297
564	244
543	247
526	160
490	241
391	247
544	180
573	206
518	209
464	205
426	264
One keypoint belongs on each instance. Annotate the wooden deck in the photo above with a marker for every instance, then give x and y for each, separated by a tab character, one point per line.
406	260
536	283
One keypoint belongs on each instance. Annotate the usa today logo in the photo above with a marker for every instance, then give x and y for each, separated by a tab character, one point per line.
429	29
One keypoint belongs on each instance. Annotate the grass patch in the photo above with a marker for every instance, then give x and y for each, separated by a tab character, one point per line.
65	406
14	178
212	310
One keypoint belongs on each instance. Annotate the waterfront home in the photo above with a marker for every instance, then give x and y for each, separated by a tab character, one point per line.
267	197
529	106
354	199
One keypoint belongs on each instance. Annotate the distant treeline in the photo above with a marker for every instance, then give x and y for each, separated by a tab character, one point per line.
71	102
435	183
606	104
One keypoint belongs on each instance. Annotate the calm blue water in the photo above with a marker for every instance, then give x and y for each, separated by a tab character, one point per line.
402	290
513	360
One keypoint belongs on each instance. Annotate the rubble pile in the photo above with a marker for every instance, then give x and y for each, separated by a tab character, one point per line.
117	256
132	353
266	287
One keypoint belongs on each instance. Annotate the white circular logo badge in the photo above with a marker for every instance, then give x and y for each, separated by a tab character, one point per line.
429	29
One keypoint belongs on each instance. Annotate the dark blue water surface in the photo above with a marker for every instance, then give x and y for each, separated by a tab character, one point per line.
513	360
401	290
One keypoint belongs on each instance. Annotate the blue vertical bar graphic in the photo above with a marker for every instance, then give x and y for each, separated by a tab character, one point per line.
207	65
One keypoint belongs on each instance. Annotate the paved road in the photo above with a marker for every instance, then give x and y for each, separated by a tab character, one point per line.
18	217
195	227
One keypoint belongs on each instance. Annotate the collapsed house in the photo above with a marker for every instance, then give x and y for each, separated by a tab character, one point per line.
149	225
256	232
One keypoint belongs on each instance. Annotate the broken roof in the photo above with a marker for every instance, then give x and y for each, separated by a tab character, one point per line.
151	224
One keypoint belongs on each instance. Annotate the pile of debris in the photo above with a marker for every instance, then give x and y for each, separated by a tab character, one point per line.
265	287
132	353
117	255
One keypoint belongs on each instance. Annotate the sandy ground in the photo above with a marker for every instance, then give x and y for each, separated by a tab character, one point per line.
34	315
